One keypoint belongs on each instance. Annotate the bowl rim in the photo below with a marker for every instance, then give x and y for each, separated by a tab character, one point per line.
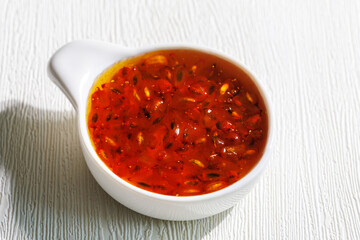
236	186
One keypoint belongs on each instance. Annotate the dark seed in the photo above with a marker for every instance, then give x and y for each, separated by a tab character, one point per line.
156	121
179	76
160	187
94	118
181	149
212	117
214	140
124	71
146	113
218	125
169	145
213	175
116	91
211	89
108	117
118	150
172	125
184	148
166	135
143	184
205	104
129	135
135	80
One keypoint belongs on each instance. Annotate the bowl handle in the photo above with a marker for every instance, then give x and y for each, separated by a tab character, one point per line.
80	61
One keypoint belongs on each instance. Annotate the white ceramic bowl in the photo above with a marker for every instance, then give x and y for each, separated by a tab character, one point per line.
74	68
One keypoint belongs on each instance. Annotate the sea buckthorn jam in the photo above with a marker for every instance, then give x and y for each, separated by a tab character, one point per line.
177	122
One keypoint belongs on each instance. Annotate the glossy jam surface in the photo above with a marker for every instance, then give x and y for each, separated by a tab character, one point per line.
177	122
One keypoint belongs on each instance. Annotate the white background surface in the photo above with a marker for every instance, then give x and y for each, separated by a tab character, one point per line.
307	54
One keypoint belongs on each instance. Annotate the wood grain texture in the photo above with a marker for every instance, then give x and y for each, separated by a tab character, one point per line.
307	54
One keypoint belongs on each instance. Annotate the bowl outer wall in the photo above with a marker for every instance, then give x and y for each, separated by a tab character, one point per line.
163	206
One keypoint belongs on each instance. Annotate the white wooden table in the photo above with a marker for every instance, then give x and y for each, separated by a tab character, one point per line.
307	54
